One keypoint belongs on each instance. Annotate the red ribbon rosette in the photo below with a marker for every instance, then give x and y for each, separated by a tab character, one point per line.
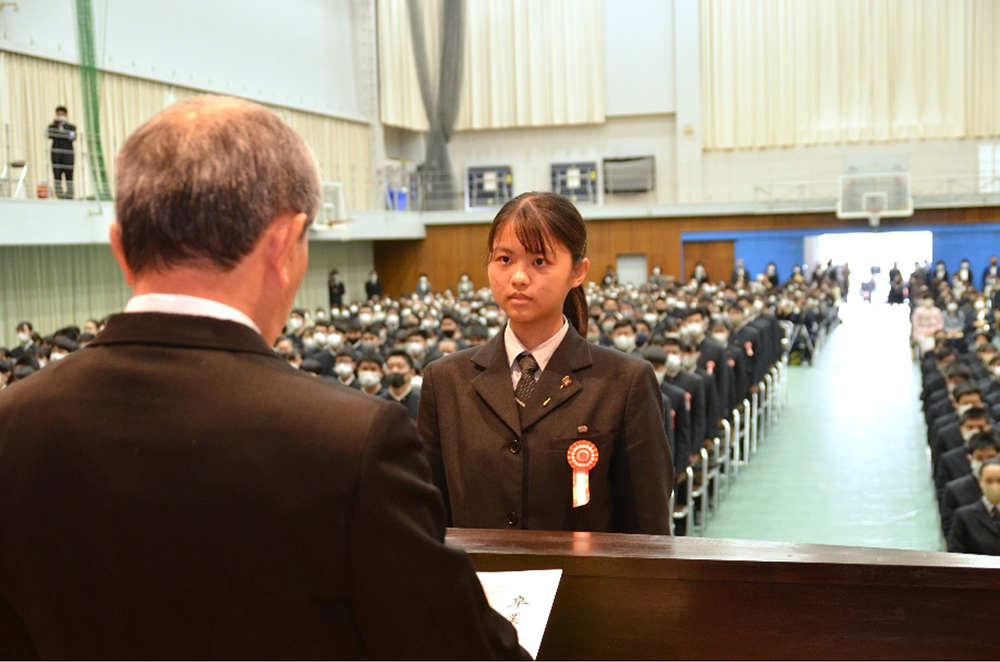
582	457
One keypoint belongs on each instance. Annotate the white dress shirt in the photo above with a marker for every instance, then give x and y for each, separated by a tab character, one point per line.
183	304
541	354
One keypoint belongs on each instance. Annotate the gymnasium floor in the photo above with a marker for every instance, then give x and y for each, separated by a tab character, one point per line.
847	462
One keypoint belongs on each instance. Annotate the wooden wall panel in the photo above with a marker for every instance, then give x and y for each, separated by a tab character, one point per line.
449	250
716	256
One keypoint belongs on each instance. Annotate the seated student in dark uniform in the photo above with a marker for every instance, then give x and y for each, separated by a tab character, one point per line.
690	361
976	529
369	373
538	428
693	385
950	437
965	490
713	357
399	374
345	364
680	411
964	397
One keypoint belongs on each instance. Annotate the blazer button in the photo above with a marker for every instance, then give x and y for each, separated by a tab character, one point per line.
515	446
512	518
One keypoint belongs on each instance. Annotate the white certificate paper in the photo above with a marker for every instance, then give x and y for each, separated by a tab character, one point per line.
525	599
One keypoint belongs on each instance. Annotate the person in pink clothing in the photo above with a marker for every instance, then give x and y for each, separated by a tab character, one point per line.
927	319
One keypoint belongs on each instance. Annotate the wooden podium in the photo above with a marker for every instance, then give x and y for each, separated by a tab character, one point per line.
651	597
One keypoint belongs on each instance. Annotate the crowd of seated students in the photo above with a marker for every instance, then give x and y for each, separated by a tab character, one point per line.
710	342
954	334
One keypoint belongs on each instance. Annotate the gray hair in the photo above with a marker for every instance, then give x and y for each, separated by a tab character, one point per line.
201	181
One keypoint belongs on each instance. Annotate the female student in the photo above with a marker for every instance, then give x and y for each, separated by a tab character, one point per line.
538	428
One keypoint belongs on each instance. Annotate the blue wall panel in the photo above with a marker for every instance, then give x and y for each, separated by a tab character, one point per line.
760	248
951	243
973	242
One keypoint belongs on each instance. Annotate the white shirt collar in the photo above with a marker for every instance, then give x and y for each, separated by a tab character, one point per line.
541	354
183	304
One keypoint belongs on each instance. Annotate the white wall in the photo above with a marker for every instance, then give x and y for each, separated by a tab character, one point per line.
731	175
639	56
313	55
531	152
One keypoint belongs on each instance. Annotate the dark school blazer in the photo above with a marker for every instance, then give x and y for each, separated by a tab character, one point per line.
177	491
499	467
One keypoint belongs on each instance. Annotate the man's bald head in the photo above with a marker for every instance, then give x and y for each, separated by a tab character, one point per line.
199	182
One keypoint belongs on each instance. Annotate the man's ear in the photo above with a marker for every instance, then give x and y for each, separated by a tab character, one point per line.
115	235
284	236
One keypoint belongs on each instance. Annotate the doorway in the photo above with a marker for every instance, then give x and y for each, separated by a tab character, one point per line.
870	254
717	256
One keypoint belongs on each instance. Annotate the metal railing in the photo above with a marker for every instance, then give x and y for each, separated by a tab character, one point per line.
35	168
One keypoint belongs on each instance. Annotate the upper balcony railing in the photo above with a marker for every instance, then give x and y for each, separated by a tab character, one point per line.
32	168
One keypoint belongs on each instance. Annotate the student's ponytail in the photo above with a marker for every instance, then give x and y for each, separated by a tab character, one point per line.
575	310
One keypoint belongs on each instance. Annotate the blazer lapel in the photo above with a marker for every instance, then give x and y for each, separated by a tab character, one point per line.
494	383
558	382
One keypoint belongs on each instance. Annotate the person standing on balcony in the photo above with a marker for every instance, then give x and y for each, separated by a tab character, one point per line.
62	134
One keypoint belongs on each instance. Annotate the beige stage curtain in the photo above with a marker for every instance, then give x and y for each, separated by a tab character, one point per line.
527	63
31	90
34	87
793	72
57	286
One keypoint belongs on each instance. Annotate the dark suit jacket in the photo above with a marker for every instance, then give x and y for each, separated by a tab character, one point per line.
947	438
714	359
974	532
712	408
373	290
411	401
960	492
695	387
680	406
500	466
188	495
953	464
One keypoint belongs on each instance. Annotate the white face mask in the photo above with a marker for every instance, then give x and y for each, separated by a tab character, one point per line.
366	319
624	343
721	338
969	434
691	330
660	374
343	370
689	362
414	349
23	337
295	323
392	321
650	318
979	305
320	339
673	363
416	382
961	409
369	378
952	307
310	343
57	356
335	340
977	466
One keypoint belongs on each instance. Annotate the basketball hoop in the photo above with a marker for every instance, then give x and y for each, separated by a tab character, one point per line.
875	216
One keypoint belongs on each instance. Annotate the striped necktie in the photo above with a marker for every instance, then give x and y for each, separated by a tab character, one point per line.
526	384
